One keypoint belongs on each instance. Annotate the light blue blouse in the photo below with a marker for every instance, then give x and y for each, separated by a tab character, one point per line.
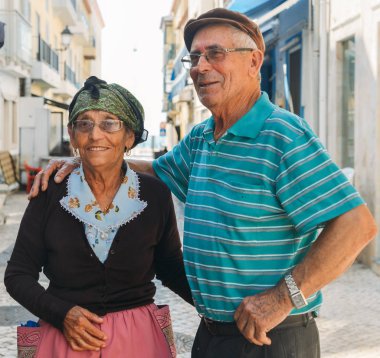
101	227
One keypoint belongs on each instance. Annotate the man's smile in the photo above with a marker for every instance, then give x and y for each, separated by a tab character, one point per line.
206	84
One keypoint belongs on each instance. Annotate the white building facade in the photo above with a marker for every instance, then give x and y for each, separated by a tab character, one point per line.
39	74
352	121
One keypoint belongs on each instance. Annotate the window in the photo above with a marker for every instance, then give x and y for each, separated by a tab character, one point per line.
268	71
348	103
295	78
291	52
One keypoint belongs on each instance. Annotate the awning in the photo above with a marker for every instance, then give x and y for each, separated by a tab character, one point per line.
52	102
246	5
254	9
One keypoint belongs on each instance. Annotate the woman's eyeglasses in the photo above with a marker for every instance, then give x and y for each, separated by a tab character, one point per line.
106	125
213	56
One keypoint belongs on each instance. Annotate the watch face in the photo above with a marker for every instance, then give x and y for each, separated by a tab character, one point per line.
299	301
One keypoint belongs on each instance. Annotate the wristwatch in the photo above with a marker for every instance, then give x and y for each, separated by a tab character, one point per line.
297	297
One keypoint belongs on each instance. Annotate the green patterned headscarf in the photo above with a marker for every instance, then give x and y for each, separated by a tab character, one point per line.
97	95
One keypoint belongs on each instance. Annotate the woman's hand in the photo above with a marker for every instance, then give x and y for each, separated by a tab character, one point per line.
65	166
80	331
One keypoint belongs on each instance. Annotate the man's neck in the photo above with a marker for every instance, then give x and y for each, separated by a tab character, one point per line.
229	115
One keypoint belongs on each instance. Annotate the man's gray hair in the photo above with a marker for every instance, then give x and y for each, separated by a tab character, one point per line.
241	39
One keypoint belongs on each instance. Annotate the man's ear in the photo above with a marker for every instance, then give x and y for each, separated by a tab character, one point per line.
257	59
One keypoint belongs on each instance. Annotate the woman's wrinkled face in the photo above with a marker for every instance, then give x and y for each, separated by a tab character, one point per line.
100	139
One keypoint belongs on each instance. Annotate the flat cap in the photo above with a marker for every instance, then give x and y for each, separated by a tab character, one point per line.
224	16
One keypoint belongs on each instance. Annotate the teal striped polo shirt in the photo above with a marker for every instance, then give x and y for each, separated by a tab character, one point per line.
254	201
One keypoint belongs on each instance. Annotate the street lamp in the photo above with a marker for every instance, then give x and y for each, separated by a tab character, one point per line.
66	35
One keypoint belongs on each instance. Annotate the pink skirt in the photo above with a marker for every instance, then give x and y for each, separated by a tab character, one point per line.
142	332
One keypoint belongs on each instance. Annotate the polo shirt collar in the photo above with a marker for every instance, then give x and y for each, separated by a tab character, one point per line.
248	125
208	131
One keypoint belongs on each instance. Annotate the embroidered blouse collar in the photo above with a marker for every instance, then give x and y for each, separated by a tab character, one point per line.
81	202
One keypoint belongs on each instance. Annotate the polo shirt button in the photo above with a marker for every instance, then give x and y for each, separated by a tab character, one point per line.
112	252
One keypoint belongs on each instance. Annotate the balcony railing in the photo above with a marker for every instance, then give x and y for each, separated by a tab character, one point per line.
18	39
169	53
46	54
179	75
70	75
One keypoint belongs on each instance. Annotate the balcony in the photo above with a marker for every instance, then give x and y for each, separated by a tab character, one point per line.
67	86
47	54
81	31
89	51
66	11
46	66
178	77
70	75
16	55
66	90
169	52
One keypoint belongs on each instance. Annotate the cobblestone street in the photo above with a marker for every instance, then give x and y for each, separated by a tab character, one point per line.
349	321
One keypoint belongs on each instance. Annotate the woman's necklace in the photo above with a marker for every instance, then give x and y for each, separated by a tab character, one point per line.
110	206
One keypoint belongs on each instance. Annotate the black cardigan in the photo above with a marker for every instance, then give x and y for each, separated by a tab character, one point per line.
51	238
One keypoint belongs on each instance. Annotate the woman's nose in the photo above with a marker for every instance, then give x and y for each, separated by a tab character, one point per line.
96	132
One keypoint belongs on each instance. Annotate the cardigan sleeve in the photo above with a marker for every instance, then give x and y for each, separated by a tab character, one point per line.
170	269
28	258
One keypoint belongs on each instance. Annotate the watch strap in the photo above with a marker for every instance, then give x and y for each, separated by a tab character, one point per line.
296	295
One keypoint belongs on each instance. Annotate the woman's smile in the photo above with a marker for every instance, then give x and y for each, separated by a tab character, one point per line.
97	148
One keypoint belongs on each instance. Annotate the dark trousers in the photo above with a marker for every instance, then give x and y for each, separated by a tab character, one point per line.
294	340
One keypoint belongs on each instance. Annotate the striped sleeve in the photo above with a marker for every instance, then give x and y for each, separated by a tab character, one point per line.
310	186
173	168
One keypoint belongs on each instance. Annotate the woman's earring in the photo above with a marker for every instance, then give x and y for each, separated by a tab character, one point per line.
76	152
127	151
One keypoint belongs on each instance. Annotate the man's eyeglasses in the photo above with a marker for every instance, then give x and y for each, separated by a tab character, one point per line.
106	125
212	55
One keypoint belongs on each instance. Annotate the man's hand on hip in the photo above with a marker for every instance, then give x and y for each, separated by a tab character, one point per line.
65	166
258	314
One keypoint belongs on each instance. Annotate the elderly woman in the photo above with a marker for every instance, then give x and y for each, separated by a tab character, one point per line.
100	238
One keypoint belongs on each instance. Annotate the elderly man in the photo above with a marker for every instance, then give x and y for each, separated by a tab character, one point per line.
257	186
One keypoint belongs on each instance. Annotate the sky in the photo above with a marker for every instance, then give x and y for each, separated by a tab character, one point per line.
132	51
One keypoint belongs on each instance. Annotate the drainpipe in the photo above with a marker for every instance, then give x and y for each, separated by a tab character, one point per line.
324	6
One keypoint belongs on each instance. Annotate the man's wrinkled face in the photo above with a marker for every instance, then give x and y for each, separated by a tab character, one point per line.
220	84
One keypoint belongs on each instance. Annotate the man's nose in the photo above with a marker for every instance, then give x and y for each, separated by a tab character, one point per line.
203	63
